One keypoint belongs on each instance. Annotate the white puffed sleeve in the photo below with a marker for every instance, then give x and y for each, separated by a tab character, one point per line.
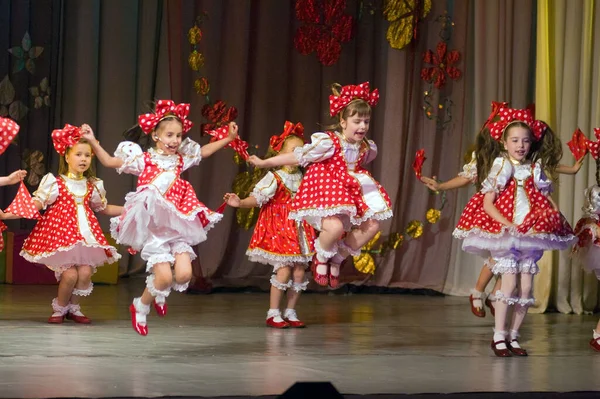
265	189
191	153
319	149
132	156
499	175
47	191
541	180
470	169
371	153
98	199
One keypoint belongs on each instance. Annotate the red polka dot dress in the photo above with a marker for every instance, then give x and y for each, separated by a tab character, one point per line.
68	233
278	240
587	249
336	183
163	217
522	197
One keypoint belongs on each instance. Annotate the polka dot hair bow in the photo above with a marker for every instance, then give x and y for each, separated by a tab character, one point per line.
8	131
509	115
594	146
349	93
65	138
289	129
164	109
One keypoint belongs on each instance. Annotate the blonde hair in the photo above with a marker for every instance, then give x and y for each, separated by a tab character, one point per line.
63	166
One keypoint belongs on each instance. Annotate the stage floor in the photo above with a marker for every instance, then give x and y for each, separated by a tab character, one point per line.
217	345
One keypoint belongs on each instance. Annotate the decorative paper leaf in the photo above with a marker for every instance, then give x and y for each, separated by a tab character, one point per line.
26	42
19	65
44	85
30	66
47	100
38	102
17	110
35	52
35	91
17	52
7	91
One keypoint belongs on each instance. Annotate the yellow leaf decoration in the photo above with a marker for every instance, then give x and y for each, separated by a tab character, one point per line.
433	215
395	240
373	241
414	229
401	15
364	263
246	217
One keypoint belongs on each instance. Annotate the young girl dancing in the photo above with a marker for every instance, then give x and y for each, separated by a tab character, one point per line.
68	238
502	222
467	177
163	218
337	192
286	244
587	249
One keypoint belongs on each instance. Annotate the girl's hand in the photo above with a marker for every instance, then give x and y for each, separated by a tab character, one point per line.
511	225
87	133
16	176
233	131
232	200
577	165
431	183
256	161
2	215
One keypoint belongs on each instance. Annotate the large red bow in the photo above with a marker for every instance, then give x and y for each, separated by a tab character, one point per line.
496	107
349	93
508	115
594	147
578	144
289	129
65	138
163	109
240	146
8	131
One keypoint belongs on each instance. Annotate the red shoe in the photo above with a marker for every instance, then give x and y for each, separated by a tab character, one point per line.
78	319
277	324
56	319
295	324
140	329
490	305
479	312
595	344
516	351
500	352
334	281
321	279
161	310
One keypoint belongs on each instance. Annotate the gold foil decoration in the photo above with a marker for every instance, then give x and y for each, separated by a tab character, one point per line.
202	86
395	240
414	229
364	262
433	215
196	60
194	35
401	15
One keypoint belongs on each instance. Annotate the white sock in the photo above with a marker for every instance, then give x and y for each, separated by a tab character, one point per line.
334	269
275	314
477	298
337	259
139	306
290	314
596	335
513	336
322	269
500	336
160	300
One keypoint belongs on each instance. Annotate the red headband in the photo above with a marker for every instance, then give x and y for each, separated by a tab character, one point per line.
289	129
65	138
349	93
510	115
164	109
8	131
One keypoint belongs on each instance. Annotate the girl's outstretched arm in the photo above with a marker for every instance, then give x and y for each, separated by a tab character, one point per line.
104	157
455	182
278	160
112	210
13	178
210	148
234	201
570	170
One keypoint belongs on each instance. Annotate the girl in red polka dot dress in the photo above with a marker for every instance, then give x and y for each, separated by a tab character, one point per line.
286	244
512	219
468	177
8	131
338	195
163	218
68	238
587	249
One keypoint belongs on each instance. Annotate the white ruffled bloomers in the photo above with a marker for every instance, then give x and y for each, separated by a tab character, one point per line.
149	218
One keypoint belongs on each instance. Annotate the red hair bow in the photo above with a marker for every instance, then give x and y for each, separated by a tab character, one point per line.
509	115
496	107
65	138
352	92
8	131
594	147
289	129
163	109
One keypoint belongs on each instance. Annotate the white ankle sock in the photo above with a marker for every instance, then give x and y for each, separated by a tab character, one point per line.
337	259
596	335
160	300
513	337
140	307
477	298
500	336
290	314
275	314
334	269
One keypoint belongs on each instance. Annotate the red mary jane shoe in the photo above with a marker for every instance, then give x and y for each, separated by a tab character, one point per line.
595	344
479	312
295	324
140	329
277	324
515	351
500	352
161	310
321	279
56	319
78	319
490	305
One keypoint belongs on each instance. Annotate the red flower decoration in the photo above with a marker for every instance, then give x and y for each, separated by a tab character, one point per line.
218	114
326	27
443	64
578	145
418	162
